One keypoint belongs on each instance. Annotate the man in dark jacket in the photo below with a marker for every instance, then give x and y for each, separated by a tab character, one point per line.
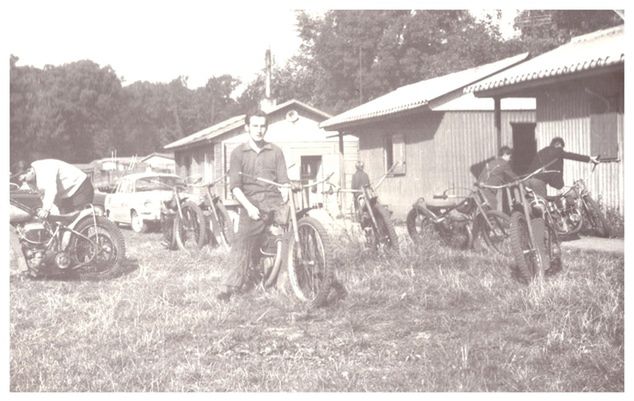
555	154
497	172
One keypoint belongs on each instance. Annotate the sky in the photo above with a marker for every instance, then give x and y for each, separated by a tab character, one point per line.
152	41
160	40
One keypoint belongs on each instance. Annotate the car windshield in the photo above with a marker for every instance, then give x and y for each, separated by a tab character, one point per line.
157	183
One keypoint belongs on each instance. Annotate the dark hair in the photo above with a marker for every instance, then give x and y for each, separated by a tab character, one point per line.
558	140
505	150
257	113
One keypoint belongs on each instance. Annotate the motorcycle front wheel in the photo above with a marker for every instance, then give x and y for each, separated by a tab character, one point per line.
529	258
191	229
104	252
310	262
497	235
597	221
385	231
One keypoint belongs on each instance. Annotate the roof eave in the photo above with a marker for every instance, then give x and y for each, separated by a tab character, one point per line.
516	89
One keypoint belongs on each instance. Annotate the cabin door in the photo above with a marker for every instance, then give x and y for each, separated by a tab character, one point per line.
524	146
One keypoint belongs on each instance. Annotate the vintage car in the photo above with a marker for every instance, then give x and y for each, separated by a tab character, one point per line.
138	198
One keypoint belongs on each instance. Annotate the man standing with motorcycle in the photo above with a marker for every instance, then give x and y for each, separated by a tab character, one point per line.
496	173
255	158
553	156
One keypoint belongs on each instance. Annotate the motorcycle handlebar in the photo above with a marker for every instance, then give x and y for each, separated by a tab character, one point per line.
288	185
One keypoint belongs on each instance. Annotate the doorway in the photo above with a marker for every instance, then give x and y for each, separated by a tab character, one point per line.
524	146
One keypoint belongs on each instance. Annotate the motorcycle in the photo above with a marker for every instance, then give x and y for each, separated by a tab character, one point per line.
189	222
373	217
80	244
575	209
534	240
460	220
299	242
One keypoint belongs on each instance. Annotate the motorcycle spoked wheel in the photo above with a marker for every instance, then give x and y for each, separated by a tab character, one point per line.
310	262
387	238
497	237
529	263
103	256
191	229
596	220
419	226
222	229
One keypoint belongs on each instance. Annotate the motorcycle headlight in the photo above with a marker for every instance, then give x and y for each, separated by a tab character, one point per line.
147	204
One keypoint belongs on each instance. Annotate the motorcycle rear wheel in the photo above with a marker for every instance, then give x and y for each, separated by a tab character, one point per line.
104	257
310	262
419	226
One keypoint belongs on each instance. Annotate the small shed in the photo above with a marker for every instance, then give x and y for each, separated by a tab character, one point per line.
293	126
439	136
579	92
159	162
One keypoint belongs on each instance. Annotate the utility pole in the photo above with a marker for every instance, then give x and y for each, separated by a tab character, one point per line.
360	75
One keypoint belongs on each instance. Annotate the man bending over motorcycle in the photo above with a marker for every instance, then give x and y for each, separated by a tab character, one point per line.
63	185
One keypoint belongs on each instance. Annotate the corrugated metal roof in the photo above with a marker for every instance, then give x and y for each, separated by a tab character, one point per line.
232	123
594	50
420	93
208	133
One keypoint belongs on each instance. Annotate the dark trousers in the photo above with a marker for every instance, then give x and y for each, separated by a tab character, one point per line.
244	252
82	197
245	249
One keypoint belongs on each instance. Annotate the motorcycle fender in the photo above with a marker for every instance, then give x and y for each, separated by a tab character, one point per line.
84	214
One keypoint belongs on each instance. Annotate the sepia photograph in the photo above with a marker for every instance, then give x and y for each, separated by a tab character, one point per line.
314	198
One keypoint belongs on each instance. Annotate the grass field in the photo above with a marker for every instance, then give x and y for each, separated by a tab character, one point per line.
430	319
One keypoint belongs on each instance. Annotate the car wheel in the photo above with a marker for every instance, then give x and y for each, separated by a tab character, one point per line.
137	223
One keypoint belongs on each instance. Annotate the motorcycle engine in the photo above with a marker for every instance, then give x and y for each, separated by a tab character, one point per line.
35	233
34	238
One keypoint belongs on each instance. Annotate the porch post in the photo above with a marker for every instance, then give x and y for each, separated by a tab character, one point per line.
342	170
498	123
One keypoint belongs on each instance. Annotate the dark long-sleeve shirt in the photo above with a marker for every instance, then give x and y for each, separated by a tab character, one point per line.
550	154
269	164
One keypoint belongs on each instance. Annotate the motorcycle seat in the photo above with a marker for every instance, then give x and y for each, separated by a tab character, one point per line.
443	203
65	219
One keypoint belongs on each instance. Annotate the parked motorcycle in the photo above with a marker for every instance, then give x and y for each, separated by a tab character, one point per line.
300	243
534	240
575	209
373	217
460	220
189	221
81	244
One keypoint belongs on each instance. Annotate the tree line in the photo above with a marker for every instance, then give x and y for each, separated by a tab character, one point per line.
81	111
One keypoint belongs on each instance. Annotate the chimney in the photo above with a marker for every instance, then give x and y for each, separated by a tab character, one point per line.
267	103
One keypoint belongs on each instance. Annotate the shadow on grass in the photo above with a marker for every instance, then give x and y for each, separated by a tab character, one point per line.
126	267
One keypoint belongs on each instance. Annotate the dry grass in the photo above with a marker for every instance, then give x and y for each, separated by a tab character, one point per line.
430	319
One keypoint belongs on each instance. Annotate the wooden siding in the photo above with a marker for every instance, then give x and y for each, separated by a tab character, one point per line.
440	149
301	138
564	111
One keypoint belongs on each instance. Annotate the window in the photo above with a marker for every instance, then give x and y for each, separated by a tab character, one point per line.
604	126
394	152
310	165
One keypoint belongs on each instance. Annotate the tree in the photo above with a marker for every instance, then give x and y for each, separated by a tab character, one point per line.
543	30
